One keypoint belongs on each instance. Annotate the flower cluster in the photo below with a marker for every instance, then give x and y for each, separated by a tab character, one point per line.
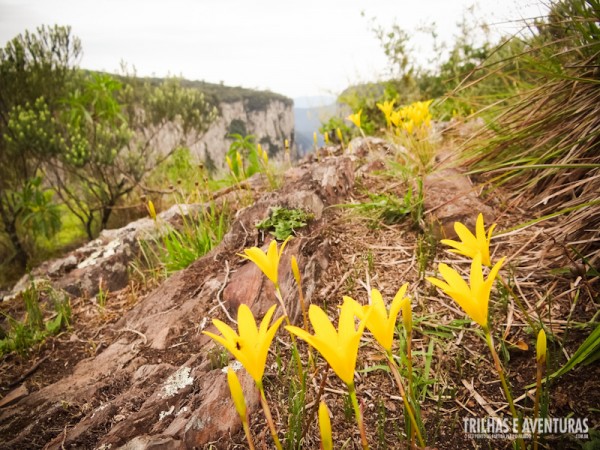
340	346
412	118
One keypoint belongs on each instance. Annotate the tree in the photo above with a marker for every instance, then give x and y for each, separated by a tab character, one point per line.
112	134
35	72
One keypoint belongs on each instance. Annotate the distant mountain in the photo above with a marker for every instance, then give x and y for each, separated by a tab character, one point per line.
309	114
314	101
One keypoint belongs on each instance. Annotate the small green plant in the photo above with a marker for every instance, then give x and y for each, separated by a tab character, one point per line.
175	249
381	419
283	222
218	358
416	210
34	316
296	405
244	156
388	208
102	294
23	334
330	130
62	308
425	252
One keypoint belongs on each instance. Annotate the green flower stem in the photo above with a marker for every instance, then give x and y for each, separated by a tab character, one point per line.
407	405
511	403
310	417
411	393
366	140
536	405
238	185
358	414
265	406
294	345
311	360
246	426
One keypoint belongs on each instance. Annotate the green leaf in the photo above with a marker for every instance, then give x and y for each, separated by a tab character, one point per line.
283	222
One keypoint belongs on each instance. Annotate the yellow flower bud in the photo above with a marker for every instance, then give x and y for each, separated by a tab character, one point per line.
338	132
325	427
151	210
229	163
315	140
236	393
326	137
296	270
239	159
540	347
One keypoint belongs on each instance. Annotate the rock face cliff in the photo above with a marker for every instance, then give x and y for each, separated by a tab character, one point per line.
270	121
269	117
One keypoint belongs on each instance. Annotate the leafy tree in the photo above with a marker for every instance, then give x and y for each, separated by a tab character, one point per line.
35	73
113	135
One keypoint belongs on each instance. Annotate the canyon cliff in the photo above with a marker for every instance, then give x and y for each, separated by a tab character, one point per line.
269	117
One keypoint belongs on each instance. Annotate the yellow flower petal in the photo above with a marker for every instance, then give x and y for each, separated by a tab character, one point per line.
339	348
251	346
470	245
258	257
473	299
237	394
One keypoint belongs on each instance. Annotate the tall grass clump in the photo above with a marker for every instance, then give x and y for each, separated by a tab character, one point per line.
545	140
171	248
37	324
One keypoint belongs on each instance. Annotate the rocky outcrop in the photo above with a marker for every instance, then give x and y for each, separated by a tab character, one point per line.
103	262
271	125
156	385
271	121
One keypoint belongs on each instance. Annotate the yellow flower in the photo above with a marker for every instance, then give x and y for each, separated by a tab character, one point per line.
472	299
325	427
340	137
315	139
380	324
151	210
236	393
286	144
229	163
251	345
540	347
326	138
355	118
339	348
262	153
238	157
268	262
396	118
387	108
470	244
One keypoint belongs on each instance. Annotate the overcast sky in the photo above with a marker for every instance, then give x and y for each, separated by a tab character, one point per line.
299	48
